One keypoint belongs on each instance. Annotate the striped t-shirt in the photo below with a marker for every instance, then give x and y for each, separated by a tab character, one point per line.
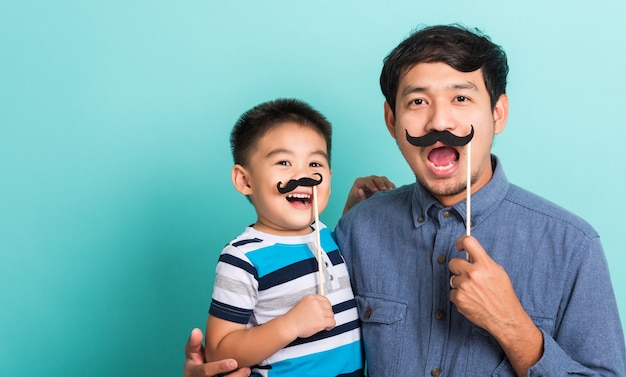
261	276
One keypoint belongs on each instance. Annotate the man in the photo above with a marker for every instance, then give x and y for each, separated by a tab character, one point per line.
195	365
533	298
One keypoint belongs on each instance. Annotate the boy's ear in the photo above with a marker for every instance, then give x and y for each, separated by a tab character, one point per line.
331	175
241	179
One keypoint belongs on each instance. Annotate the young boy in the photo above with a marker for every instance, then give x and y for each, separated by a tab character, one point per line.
265	310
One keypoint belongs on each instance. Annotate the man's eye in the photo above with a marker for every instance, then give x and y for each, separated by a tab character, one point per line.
418	101
461	99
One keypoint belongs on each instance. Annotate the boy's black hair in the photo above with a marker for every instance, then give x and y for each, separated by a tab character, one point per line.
254	123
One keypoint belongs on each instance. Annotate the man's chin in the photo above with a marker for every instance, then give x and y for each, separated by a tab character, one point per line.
445	191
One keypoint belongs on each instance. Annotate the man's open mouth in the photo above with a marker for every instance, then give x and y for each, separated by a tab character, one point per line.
443	157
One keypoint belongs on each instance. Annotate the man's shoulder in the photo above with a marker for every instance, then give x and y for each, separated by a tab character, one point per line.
379	207
537	205
383	199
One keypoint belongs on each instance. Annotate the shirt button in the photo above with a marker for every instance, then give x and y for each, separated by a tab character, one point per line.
440	314
446	214
435	372
331	278
367	313
441	259
326	264
420	220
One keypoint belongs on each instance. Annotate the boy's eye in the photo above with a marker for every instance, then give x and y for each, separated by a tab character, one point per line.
418	101
315	165
283	163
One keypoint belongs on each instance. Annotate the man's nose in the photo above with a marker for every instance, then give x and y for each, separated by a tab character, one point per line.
440	118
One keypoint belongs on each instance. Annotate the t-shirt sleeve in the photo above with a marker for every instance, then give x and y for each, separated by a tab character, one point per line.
235	288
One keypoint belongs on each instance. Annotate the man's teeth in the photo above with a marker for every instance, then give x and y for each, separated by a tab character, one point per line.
444	167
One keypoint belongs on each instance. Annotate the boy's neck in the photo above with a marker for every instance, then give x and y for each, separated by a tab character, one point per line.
282	232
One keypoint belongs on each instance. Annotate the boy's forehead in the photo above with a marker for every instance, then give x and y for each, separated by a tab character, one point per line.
295	128
283	131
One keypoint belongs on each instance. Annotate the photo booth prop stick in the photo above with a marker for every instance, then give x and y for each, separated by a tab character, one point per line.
318	242
448	138
468	194
291	185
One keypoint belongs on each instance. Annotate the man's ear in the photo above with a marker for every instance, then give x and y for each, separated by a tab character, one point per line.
241	179
390	120
500	113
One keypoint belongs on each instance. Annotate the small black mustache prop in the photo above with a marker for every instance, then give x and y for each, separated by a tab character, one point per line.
293	183
445	137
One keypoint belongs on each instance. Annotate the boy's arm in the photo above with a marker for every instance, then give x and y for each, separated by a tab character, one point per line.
250	346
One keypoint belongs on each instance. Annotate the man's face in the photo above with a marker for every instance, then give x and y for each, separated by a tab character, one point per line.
288	151
436	97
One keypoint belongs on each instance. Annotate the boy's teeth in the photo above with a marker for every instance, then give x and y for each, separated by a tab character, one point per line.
300	196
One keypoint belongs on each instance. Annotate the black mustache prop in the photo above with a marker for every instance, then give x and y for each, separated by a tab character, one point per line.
446	137
293	183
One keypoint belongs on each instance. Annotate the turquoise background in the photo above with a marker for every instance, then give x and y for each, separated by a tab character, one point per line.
115	192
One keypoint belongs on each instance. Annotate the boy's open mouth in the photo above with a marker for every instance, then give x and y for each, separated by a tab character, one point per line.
299	198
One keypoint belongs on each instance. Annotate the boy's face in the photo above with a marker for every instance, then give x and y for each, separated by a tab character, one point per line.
289	151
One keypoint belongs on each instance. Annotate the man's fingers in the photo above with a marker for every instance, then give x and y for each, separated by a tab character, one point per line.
222	366
193	347
384	184
217	368
472	247
380	183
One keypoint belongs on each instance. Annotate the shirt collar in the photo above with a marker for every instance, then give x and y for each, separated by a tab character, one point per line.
483	201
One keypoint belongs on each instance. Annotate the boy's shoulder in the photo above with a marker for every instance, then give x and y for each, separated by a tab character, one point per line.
251	239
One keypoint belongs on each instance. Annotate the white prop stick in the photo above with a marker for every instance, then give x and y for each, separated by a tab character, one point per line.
318	242
468	194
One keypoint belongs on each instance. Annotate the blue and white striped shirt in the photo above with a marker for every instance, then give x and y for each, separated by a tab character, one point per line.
261	276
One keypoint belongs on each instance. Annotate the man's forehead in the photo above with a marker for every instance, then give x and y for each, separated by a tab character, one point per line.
424	77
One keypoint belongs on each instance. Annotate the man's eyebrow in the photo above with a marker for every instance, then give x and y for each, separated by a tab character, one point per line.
422	89
464	85
413	89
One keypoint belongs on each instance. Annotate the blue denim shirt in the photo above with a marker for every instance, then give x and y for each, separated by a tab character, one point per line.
398	244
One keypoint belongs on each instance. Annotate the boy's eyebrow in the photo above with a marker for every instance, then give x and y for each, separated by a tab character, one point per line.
422	89
321	153
273	152
277	151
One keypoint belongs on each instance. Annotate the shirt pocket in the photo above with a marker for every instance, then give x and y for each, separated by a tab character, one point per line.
383	319
487	356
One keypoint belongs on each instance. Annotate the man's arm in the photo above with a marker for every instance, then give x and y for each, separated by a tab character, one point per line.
590	340
364	187
195	366
483	293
